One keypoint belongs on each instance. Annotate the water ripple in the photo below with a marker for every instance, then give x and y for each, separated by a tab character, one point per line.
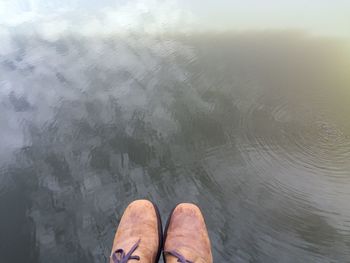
304	158
285	138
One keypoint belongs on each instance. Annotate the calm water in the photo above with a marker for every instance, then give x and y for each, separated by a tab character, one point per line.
253	127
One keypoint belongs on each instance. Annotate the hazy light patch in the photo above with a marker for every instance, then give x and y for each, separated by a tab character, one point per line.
51	20
91	17
321	17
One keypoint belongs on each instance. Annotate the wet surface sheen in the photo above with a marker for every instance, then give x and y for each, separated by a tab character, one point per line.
252	127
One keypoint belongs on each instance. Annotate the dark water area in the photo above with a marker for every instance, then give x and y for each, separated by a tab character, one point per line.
254	127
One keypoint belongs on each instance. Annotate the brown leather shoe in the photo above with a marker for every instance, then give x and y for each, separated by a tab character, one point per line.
139	234
186	237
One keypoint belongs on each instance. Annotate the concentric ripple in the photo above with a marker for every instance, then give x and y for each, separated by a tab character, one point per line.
301	138
300	153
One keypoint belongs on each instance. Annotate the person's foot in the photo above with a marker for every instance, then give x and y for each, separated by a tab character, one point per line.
139	234
186	237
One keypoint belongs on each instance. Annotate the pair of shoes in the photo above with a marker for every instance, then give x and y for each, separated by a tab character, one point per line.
139	235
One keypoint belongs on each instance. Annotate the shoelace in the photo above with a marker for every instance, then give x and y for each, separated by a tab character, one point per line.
123	258
180	258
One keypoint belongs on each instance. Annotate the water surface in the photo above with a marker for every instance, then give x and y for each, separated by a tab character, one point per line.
254	127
